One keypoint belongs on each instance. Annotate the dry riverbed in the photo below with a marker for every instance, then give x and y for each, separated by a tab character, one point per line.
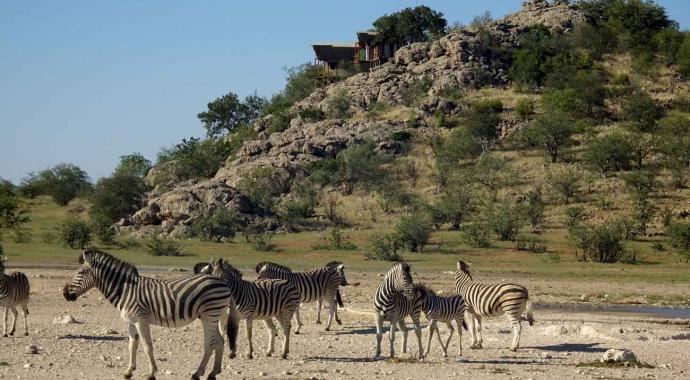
558	346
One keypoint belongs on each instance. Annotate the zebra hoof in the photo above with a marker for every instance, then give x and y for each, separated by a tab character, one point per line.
232	355
195	377
4	335
296	332
250	356
26	334
269	354
12	333
284	356
318	322
339	322
150	377
211	377
328	329
128	375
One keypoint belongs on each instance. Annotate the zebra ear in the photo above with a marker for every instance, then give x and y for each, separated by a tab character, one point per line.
341	267
82	258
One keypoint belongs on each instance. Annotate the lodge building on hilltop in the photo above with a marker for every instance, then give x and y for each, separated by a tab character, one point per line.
366	53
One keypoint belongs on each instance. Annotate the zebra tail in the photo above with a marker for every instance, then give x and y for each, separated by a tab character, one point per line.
528	313
464	324
232	327
339	298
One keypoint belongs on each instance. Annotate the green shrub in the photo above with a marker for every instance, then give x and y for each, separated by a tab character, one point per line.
62	182
609	153
477	234
412	94
75	233
679	237
564	181
641	111
506	220
311	114
335	239
535	209
375	110
262	186
103	229
164	247
338	104
220	225
192	158
481	121
530	243
48	236
261	242
552	132
228	113
524	108
574	217
383	247
414	231
658	246
683	57
360	165
602	244
22	235
117	197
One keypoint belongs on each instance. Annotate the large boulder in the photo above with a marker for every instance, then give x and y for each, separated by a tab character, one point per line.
618	356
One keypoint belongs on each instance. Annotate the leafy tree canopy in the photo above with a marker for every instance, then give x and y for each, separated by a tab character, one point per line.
410	25
228	113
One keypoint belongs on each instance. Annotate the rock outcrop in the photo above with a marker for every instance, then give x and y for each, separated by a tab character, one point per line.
465	58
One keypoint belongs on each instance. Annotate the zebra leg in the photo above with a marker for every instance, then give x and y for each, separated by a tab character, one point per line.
469	318
379	334
4	331
271	335
145	332
285	326
432	325
391	338
403	329
451	330
250	353
218	344
418	333
478	327
318	312
459	322
25	312
299	320
14	319
133	347
517	329
331	313
207	350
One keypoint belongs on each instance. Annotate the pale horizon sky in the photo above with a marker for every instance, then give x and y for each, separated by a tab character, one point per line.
85	82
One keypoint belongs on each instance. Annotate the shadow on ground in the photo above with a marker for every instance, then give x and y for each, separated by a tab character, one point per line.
101	338
571	347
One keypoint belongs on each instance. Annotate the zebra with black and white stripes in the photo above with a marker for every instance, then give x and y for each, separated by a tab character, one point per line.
14	291
263	299
492	300
396	298
444	309
321	284
144	301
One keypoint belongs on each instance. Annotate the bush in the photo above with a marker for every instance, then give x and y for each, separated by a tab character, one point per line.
674	143
335	240
455	205
564	181
22	235
221	225
477	234
360	165
383	248
574	217
311	114
481	121
679	237
414	231
609	153
62	182
262	186
524	108
412	94
261	242
552	132
75	233
192	158
641	111
683	57
13	212
535	209
602	244
103	229
300	205
530	243
338	104
164	247
375	110
117	197
505	221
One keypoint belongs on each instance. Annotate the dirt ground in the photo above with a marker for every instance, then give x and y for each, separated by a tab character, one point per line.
556	347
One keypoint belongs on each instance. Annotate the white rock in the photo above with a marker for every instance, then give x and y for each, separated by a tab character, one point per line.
64	320
555	330
618	356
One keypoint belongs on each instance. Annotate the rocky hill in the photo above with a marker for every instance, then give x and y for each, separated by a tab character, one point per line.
464	59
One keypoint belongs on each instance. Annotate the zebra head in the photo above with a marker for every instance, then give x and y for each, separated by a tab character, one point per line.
84	280
463	270
223	269
202	268
402	279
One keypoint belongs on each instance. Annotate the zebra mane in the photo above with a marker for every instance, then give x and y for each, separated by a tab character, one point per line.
100	258
333	265
423	289
272	266
227	268
464	269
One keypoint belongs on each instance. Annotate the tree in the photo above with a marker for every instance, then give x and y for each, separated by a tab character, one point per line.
493	173
360	165
641	111
75	233
505	220
13	213
524	108
192	158
481	121
262	186
535	209
228	113
674	143
414	231
679	236
63	182
683	57
410	25
564	181
609	153
134	164
527	69
220	224
552	131
117	197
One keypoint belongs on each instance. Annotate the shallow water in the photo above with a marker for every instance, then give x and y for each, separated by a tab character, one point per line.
639	310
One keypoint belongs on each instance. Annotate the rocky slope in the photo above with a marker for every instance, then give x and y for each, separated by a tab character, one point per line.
465	58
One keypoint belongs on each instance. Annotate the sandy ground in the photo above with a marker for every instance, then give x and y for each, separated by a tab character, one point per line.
96	347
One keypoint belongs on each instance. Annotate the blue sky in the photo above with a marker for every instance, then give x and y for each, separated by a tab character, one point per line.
88	81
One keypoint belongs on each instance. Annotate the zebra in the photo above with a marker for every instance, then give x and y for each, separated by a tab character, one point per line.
444	309
263	299
199	267
144	301
14	290
315	285
492	300
396	298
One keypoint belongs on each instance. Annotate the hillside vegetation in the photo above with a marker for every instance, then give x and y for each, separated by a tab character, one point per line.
561	140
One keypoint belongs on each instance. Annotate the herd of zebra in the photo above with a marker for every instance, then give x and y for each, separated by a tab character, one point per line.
219	296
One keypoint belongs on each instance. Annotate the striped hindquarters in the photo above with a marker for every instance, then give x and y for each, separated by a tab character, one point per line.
313	285
267	298
14	289
495	300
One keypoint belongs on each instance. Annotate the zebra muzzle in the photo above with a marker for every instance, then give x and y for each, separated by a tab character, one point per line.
68	295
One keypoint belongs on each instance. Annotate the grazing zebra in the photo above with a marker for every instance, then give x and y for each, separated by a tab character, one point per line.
321	284
492	300
143	301
396	298
263	299
14	290
444	309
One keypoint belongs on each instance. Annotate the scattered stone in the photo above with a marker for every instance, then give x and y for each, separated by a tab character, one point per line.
64	320
556	330
546	355
618	356
505	330
32	349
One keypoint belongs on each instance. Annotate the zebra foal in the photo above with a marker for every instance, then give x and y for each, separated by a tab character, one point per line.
444	309
263	299
144	301
396	298
14	291
321	284
492	300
